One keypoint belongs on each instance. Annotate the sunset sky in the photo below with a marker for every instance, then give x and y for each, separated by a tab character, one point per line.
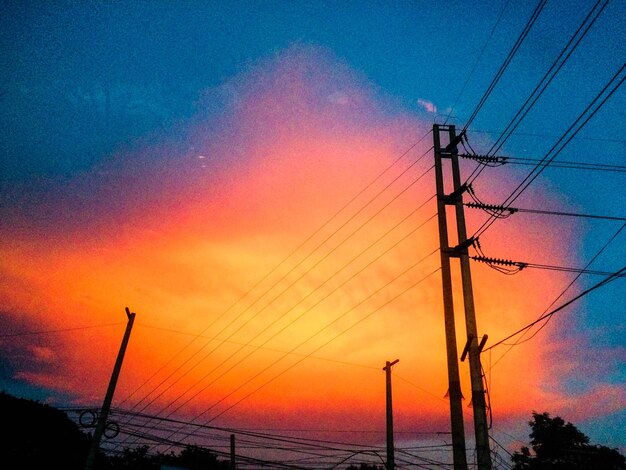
254	180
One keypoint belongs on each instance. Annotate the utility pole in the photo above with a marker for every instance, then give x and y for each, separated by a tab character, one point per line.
390	450
106	405
454	382
232	452
460	251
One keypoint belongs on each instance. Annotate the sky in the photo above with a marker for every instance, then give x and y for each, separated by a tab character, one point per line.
255	181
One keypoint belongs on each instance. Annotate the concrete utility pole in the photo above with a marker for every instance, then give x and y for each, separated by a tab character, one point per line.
390	449
106	405
455	198
481	432
454	382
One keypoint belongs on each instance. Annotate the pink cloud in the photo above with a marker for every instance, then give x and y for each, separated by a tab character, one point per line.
427	105
601	400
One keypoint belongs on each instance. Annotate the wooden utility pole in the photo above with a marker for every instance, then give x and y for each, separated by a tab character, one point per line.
455	198
106	405
390	448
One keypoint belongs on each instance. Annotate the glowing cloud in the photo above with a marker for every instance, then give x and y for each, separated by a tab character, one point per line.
184	230
427	105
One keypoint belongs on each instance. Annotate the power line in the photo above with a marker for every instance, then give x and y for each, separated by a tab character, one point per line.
571	270
497	161
287	444
62	330
293	282
602	283
240	431
552	136
480	55
572	282
569	164
567	136
327	342
512	210
293	252
497	457
541	87
554	69
310	293
405	237
507	61
328	359
337	288
519	265
173	443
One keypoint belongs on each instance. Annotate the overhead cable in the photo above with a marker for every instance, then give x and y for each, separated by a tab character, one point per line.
507	61
592	108
616	275
283	261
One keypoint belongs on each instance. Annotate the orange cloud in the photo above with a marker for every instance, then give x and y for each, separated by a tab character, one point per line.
181	239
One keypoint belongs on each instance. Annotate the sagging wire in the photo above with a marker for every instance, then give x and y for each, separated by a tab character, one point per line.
487	395
482	160
464	141
498	212
503	266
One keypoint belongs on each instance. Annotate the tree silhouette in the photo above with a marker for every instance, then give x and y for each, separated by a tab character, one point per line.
35	435
557	445
364	466
198	458
137	458
141	458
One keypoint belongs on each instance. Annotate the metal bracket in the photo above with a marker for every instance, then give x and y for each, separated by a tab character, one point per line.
456	141
460	249
455	196
469	342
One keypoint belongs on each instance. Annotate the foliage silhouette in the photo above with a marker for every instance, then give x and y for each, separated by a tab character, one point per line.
140	458
35	435
364	466
557	445
197	458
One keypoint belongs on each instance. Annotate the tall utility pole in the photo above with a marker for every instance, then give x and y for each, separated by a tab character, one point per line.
454	382
106	405
391	460
455	198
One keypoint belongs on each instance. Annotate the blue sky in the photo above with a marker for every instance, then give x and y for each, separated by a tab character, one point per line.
84	81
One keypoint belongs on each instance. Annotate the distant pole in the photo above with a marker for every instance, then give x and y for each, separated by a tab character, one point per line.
106	405
232	452
390	451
